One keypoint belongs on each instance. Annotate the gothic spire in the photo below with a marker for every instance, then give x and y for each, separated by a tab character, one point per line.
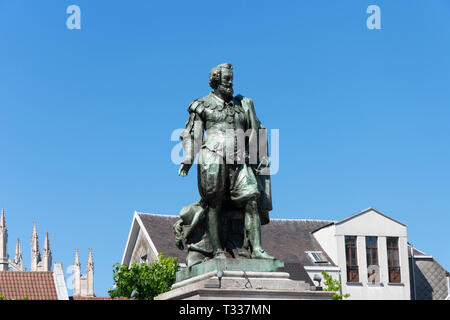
35	252
34	239
18	260
76	262
18	252
34	229
46	250
47	254
76	275
90	275
3	243
2	220
90	263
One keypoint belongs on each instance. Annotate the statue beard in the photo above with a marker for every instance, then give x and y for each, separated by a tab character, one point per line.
226	91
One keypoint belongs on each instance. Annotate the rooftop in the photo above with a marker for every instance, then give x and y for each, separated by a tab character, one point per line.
275	236
31	285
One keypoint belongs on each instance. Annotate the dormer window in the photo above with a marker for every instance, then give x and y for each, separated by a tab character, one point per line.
317	256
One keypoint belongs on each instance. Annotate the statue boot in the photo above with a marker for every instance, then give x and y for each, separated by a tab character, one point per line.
260	253
253	228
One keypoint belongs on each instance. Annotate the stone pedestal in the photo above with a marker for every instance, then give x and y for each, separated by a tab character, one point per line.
242	285
257	265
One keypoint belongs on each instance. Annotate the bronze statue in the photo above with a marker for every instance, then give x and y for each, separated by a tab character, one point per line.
233	175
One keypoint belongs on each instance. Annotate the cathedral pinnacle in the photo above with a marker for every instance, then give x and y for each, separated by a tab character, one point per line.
2	219
77	259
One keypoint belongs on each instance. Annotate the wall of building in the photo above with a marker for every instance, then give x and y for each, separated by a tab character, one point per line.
142	248
313	271
327	239
368	224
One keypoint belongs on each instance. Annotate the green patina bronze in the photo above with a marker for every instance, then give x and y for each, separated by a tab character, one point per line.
233	181
254	265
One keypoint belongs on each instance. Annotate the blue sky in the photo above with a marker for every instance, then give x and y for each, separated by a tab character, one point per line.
86	115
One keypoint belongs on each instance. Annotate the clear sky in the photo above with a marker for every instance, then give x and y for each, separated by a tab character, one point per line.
86	115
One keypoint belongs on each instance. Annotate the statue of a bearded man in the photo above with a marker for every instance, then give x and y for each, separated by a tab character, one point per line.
233	175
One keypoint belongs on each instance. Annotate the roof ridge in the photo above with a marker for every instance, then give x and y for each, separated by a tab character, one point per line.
278	219
364	212
156	214
304	220
420	251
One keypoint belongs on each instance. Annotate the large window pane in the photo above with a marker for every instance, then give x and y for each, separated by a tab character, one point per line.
351	257
393	260
373	274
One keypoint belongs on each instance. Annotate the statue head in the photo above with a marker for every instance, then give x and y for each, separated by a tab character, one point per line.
221	80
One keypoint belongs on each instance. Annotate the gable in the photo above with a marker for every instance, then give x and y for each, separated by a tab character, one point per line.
142	249
149	235
138	241
160	229
370	222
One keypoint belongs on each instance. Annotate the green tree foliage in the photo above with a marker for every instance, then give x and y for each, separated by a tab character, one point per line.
333	285
147	280
3	298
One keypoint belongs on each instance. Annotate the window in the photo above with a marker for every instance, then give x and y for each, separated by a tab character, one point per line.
352	262
317	256
373	274
393	260
143	259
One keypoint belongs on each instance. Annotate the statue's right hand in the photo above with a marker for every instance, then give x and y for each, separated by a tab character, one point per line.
184	169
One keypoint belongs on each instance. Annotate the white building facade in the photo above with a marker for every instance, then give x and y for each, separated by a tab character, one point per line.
371	252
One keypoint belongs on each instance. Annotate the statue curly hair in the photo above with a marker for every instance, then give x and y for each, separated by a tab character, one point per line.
215	73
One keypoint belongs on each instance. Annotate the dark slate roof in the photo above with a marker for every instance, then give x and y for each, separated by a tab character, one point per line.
429	280
427	276
287	240
296	272
32	285
160	230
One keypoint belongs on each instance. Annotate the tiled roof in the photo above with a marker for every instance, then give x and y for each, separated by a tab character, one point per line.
296	272
34	285
99	298
287	240
429	280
